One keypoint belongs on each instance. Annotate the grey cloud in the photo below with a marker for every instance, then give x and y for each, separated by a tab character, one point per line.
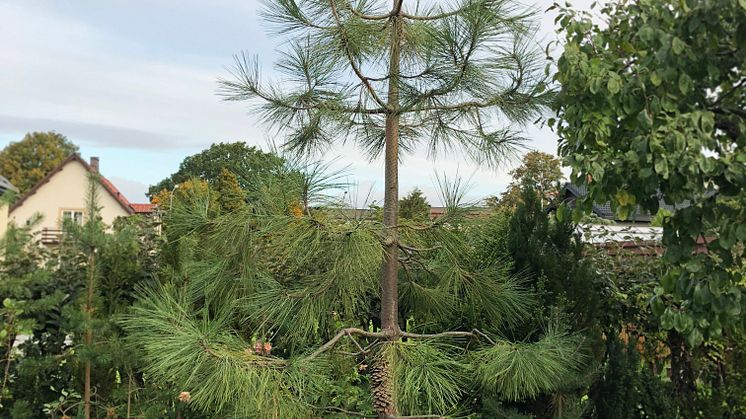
98	134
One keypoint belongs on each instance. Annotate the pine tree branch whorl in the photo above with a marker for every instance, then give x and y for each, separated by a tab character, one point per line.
346	332
350	332
411	249
350	59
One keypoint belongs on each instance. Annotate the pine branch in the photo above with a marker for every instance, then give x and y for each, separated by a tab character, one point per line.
352	331
347	332
475	333
365	16
246	86
412	249
351	60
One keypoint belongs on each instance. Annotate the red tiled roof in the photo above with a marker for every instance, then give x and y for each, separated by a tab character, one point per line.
106	183
143	208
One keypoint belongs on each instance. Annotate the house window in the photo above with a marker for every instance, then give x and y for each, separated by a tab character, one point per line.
75	216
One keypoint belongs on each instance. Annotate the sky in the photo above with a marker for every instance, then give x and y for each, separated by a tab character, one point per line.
134	82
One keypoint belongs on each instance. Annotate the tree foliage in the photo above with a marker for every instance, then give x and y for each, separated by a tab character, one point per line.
64	328
266	304
539	171
387	77
414	206
243	161
26	162
652	105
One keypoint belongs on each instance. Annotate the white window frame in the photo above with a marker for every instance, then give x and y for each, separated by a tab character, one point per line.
76	214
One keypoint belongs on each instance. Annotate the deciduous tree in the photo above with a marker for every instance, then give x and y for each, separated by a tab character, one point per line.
26	162
653	104
539	171
244	161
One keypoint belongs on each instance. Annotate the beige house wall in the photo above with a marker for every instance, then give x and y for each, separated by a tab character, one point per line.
66	190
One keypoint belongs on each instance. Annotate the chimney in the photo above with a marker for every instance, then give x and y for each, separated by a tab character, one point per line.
94	164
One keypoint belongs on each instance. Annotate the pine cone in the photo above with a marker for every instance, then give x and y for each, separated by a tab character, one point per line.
380	375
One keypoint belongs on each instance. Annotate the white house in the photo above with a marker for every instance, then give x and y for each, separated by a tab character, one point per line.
61	195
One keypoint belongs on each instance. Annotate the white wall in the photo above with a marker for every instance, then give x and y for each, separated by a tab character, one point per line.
66	189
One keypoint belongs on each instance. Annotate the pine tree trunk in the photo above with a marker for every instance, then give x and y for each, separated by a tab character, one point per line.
89	335
383	393
129	394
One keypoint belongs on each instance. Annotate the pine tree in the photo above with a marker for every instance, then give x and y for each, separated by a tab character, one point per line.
230	194
269	302
24	292
414	206
87	241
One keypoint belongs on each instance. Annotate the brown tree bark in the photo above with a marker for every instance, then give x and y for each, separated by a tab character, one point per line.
682	371
385	400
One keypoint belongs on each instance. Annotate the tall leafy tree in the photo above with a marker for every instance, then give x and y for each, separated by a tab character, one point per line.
26	162
538	171
652	104
414	206
388	77
244	161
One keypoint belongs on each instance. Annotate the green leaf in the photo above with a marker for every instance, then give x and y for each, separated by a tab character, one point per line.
667	320
682	322
657	306
685	83
716	329
742	3
741	232
655	78
727	238
613	85
668	281
694	338
702	295
594	85
661	167
693	266
678	46
625	198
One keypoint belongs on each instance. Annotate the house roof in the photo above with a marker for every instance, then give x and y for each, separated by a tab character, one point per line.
604	210
143	208
106	183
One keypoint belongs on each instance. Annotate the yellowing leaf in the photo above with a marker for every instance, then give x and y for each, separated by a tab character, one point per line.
655	78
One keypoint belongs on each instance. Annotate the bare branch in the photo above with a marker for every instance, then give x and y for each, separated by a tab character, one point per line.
346	332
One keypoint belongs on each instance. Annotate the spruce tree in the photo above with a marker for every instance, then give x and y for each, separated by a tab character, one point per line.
414	206
272	311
